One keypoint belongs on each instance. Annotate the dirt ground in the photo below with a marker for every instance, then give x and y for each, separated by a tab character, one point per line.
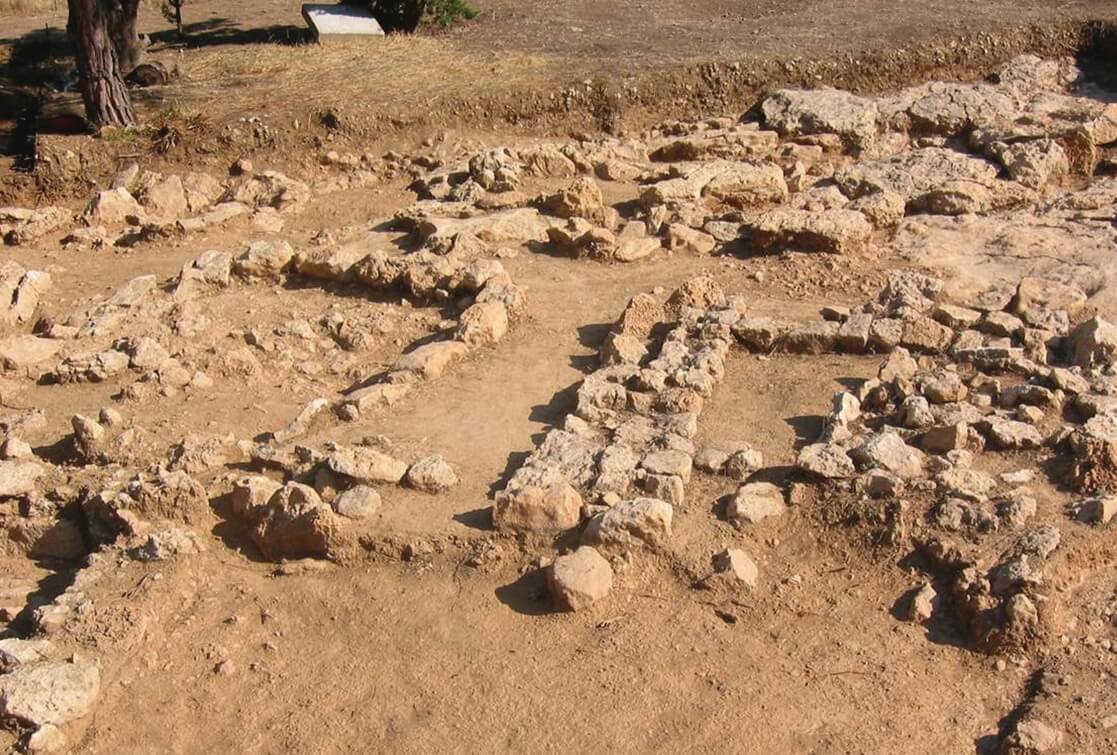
432	629
540	68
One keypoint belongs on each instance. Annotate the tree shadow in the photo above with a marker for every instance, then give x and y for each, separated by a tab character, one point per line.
554	411
777	475
988	744
47	590
850	384
476	519
231	532
516	460
528	595
807	427
223	31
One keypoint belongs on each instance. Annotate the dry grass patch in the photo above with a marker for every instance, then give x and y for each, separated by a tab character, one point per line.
398	70
32	7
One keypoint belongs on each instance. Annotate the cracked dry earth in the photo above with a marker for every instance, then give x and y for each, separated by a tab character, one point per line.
793	433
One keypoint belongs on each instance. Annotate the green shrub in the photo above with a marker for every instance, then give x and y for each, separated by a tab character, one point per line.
408	15
445	12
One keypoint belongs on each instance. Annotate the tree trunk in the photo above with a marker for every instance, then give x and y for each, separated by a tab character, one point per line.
125	37
102	84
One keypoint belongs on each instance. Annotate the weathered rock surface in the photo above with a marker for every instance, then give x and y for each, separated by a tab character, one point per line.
579	579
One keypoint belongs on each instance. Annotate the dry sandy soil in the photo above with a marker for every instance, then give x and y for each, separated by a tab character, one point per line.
541	68
429	626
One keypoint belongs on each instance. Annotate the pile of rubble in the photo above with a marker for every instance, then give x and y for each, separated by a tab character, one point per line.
1004	374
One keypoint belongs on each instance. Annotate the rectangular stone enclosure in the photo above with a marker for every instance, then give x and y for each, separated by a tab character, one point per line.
332	22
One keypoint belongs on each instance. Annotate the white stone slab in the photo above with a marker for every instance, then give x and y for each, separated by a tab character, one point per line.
340	22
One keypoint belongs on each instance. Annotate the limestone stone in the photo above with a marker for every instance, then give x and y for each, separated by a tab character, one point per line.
735	564
365	465
15	652
21	351
826	460
887	450
635	522
340	22
831	231
685	238
668	462
535	509
166	199
822	111
1097	510
430	360
50	693
294	523
432	474
1008	435
640	315
251	492
18	477
754	502
1094	343
113	207
264	259
358	502
945	438
484	323
578	580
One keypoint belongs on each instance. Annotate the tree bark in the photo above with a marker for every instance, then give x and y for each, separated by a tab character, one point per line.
125	36
102	84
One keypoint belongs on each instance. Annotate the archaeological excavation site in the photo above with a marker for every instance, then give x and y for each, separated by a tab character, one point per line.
757	406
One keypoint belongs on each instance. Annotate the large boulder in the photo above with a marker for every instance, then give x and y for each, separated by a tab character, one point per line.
18	477
49	693
1094	343
822	111
833	231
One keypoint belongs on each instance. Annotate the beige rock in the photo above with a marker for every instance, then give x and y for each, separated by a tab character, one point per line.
264	259
113	207
19	477
1094	343
431	360
832	231
822	111
165	200
294	523
826	460
635	522
922	603
483	324
359	502
252	492
735	564
18	352
50	693
432	474
754	502
532	509
579	579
